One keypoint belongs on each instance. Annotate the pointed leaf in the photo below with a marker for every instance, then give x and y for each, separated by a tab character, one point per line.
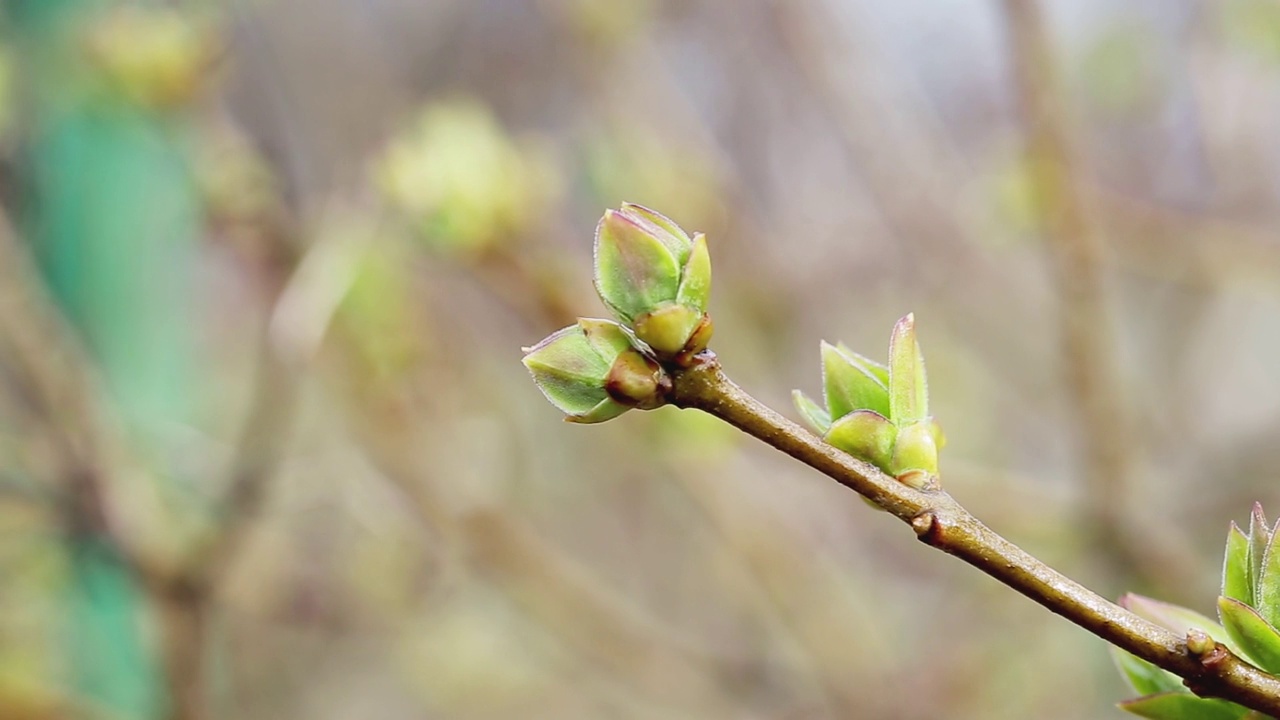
866	435
1174	617
695	279
812	413
908	384
1235	566
1145	678
1254	636
849	385
1182	706
634	271
1266	593
1259	539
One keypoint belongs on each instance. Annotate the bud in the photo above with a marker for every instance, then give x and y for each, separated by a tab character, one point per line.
591	372
655	279
879	413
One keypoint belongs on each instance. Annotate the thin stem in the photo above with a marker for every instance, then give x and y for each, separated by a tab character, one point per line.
939	520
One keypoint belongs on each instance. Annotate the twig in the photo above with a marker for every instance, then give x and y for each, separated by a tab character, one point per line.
940	521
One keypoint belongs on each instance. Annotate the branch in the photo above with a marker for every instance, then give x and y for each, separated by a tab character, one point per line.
939	520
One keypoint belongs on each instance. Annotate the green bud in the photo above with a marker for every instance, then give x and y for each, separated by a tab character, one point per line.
865	434
897	394
591	372
656	279
1145	678
849	383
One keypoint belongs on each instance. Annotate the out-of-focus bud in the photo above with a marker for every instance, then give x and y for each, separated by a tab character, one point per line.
656	279
159	58
591	372
879	413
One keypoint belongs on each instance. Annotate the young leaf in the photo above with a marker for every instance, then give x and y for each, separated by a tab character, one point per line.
908	385
1174	617
1254	635
1146	679
1182	706
848	385
1235	567
816	416
1259	539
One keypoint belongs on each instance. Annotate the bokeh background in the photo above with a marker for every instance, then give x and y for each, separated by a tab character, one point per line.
266	266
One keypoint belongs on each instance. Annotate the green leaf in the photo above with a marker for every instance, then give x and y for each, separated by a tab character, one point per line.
814	414
1182	706
908	384
1146	679
1174	617
1236	583
634	271
1254	636
850	385
866	435
695	279
1259	539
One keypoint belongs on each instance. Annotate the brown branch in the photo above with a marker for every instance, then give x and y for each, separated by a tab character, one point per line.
939	520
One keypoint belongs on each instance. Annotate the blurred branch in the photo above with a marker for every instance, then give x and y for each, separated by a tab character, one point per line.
940	521
52	372
1102	417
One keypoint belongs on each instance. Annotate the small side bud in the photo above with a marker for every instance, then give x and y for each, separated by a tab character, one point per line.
591	372
1199	642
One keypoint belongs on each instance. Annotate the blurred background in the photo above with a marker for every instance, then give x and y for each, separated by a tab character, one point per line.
266	266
